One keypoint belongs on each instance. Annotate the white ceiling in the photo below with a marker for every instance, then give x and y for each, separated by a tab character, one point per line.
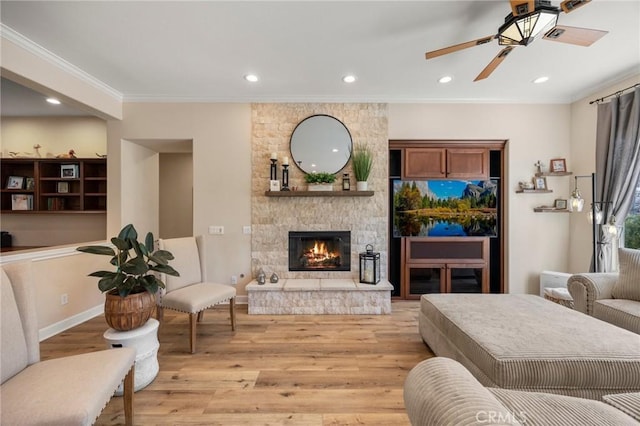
200	51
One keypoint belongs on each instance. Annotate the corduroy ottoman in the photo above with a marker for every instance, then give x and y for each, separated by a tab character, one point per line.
525	342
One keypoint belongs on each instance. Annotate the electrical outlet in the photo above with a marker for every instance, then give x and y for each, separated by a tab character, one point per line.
64	299
246	230
234	279
216	230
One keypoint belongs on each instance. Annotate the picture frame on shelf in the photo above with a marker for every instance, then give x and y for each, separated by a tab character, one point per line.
63	187
558	165
69	171
15	182
540	183
560	204
30	184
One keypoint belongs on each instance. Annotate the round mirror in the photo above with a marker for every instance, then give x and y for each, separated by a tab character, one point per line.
321	143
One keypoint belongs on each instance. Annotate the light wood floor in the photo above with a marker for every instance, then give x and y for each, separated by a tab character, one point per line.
274	369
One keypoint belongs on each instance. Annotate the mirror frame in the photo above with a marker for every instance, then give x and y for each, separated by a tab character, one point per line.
310	143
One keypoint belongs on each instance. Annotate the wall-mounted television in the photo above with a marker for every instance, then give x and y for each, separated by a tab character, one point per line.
445	208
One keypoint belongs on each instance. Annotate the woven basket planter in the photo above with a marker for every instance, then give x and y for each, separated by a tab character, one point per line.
128	313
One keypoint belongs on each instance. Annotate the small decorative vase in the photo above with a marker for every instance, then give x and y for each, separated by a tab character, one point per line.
274	278
361	185
262	278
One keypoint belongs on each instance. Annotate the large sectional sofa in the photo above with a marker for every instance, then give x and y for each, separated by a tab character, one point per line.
440	391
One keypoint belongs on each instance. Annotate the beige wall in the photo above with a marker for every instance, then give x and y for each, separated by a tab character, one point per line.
221	135
583	148
534	241
176	195
86	136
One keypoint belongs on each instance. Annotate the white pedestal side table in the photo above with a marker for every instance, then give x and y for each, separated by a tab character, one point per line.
145	341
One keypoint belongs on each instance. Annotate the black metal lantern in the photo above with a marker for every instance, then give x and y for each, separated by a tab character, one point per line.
369	266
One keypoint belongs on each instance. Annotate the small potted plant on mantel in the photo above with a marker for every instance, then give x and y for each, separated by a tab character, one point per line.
361	162
320	181
131	288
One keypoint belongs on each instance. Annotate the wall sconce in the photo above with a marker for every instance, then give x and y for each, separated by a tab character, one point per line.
369	266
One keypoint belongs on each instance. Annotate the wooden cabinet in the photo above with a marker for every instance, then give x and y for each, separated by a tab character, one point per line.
55	185
445	265
423	163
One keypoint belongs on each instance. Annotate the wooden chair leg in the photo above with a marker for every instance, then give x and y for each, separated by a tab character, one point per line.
127	396
232	312
201	315
159	313
192	338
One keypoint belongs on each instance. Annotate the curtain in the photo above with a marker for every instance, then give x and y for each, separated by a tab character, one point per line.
617	165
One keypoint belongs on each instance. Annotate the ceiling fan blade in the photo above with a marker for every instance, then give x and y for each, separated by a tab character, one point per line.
451	49
574	35
494	63
571	5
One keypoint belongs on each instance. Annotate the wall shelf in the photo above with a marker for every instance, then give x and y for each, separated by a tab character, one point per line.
318	193
550	210
533	191
540	174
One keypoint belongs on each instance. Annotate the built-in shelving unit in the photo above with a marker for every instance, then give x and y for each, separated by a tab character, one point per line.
74	185
319	193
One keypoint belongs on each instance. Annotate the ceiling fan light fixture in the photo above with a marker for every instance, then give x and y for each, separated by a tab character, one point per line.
523	29
445	79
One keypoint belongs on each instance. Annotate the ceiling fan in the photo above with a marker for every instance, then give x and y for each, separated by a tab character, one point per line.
527	20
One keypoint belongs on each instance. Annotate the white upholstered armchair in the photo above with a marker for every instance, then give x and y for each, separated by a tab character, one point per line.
64	391
189	292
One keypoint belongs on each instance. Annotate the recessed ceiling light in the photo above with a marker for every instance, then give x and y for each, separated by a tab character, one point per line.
53	101
541	80
349	78
251	77
445	79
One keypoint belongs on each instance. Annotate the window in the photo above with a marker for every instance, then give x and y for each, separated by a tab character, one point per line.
632	223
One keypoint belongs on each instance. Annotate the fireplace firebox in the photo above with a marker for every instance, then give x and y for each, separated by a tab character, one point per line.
320	251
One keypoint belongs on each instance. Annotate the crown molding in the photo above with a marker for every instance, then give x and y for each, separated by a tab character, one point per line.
18	39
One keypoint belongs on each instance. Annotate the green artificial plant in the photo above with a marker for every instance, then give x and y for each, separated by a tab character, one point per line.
320	177
134	271
361	162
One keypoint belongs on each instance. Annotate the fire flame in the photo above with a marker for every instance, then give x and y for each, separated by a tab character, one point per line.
319	254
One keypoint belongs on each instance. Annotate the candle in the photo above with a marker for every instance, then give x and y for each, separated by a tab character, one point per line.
274	155
285	161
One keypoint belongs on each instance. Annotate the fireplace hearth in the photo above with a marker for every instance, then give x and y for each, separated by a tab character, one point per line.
320	251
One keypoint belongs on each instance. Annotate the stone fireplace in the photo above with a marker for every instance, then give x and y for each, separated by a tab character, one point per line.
273	218
320	251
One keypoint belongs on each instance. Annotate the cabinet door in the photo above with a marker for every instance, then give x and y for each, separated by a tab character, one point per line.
424	163
425	279
468	163
467	278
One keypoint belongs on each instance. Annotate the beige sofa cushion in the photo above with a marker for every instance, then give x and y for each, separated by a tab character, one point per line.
621	312
628	285
12	336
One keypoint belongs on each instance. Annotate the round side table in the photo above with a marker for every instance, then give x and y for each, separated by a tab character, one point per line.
145	341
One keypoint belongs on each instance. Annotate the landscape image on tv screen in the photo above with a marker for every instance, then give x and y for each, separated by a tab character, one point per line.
445	208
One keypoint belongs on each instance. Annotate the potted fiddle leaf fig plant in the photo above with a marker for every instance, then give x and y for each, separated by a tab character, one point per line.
361	162
320	181
131	288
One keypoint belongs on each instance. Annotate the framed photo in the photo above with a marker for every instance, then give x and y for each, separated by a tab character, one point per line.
540	182
63	187
15	182
558	165
69	171
560	204
30	184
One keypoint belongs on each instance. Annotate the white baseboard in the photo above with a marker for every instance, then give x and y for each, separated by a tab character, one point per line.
67	323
